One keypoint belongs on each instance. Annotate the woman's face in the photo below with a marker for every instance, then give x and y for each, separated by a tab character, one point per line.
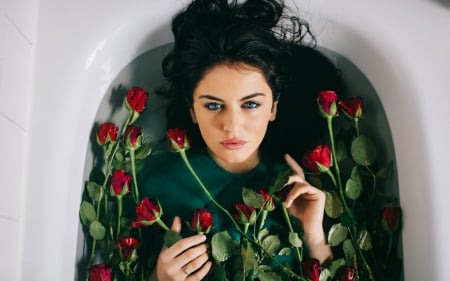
232	106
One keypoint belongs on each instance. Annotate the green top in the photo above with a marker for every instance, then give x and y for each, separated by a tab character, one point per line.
166	178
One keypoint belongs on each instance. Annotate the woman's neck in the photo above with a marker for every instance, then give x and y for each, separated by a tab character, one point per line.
238	168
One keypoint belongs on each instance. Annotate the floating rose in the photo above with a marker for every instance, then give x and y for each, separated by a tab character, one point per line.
132	137
136	99
127	247
120	183
327	103
311	269
244	214
178	140
319	159
147	213
353	108
390	218
269	203
202	221
348	274
107	133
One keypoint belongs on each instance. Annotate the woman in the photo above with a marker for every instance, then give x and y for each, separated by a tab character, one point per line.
227	76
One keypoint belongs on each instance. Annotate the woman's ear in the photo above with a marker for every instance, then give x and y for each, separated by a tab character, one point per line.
191	111
273	113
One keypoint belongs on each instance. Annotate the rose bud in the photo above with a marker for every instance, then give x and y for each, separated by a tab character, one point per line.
353	108
311	269
107	133
99	272
327	103
244	214
178	140
147	213
390	218
136	99
269	204
127	247
348	274
319	159
132	137
120	183
202	221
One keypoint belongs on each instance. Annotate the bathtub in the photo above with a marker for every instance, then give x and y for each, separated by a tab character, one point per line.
401	47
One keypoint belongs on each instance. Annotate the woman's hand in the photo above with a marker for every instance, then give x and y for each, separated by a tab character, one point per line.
185	260
307	203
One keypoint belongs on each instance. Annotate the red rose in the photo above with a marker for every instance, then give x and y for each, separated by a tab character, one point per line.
244	214
147	213
311	269
136	99
178	140
390	218
348	274
99	272
327	103
269	204
202	221
120	183
107	132
132	137
353	108
127	248
318	160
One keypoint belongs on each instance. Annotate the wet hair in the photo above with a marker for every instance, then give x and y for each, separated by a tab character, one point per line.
255	33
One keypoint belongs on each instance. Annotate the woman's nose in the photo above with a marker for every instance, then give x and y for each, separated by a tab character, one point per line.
232	120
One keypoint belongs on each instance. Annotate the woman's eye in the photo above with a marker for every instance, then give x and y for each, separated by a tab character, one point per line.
250	104
213	106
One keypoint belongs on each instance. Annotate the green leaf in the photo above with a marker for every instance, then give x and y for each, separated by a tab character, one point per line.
354	187
386	171
271	244
364	240
325	275
269	276
119	156
335	265
285	252
333	205
363	151
95	190
337	234
295	240
97	230
248	257
263	233
252	198
143	151
349	250
87	213
222	245
171	237
341	151
280	182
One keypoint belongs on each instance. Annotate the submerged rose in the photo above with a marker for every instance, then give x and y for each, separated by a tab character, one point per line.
348	274
311	269
390	218
327	103
99	272
319	159
120	183
147	213
353	108
127	247
106	133
132	137
136	99
202	221
178	140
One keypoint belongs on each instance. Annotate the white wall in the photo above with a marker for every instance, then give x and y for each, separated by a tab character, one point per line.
17	40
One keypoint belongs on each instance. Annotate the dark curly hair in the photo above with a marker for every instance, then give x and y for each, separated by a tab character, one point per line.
257	33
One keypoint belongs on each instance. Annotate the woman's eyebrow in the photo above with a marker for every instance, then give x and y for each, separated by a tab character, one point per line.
211	97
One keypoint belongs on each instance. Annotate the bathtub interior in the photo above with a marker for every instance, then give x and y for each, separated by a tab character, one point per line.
145	71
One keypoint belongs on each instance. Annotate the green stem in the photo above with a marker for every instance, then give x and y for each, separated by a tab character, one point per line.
291	230
357	126
133	173
374	184
388	252
263	219
361	255
119	215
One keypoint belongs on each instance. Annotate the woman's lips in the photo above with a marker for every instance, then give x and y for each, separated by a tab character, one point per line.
233	144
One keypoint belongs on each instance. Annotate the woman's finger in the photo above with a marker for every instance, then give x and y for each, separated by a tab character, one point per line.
296	168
